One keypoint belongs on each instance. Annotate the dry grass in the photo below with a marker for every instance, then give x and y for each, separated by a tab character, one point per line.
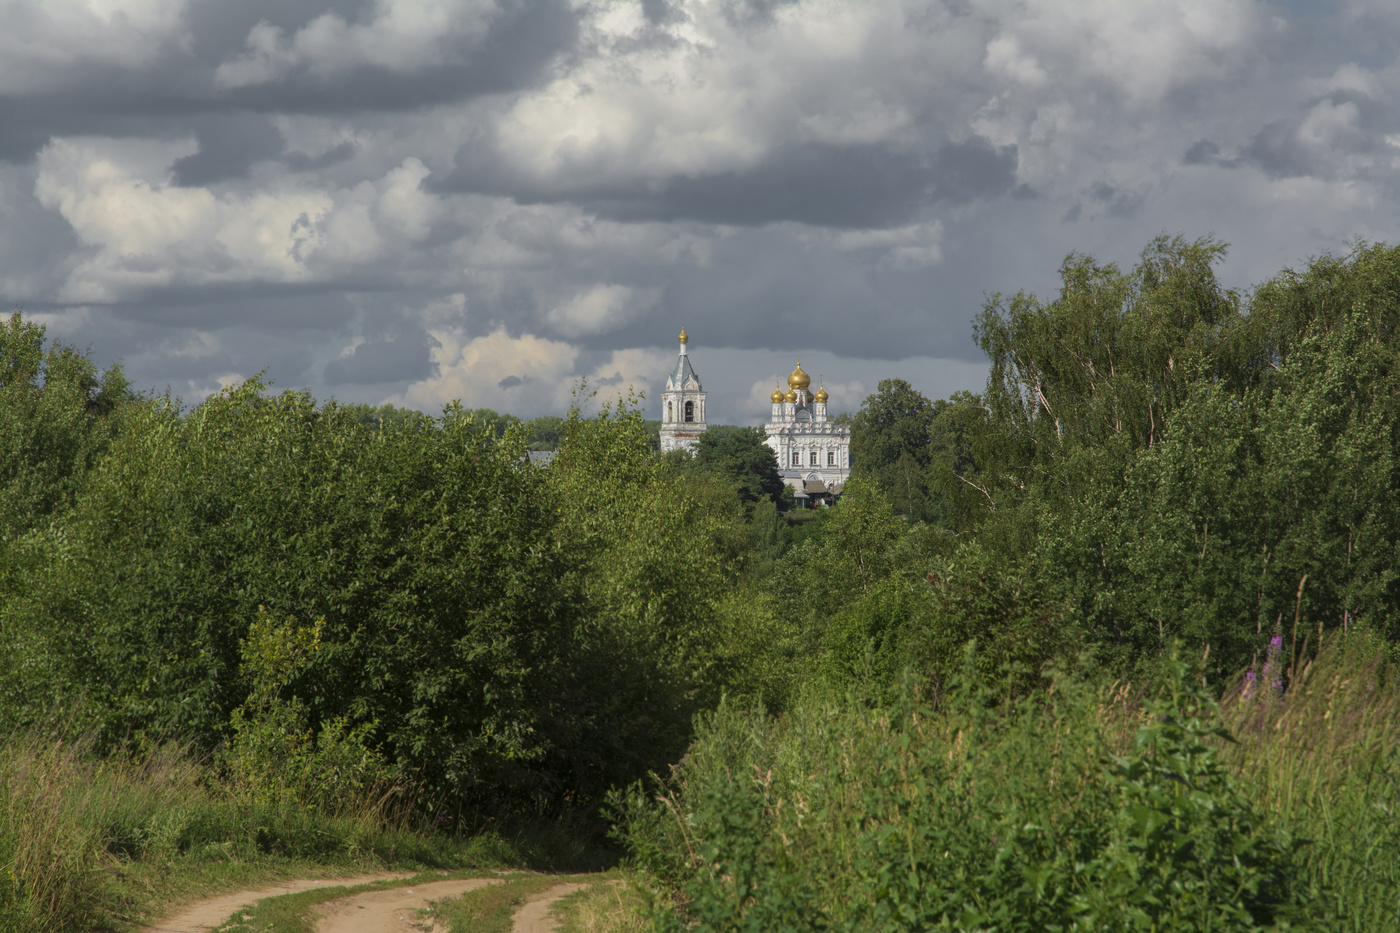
615	907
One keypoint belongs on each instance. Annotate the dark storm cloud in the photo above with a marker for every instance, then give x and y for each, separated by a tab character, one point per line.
405	356
229	144
850	187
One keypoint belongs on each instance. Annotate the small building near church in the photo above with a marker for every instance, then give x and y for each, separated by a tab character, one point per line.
814	455
682	405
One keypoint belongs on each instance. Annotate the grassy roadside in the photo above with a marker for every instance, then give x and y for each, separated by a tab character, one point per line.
106	843
617	907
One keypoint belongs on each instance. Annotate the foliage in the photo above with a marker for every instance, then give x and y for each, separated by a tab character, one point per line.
1039	815
740	456
891	440
388	415
57	417
274	748
431	556
94	841
653	552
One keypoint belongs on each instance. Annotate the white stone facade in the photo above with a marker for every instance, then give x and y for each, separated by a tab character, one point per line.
809	448
682	405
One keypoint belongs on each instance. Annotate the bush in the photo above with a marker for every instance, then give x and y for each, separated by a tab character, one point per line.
1038	814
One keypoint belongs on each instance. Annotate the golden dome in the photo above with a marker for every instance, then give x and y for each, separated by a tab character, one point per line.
791	395
821	393
683	337
798	379
777	395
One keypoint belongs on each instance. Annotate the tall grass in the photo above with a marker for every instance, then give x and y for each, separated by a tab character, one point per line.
87	840
1087	806
1323	756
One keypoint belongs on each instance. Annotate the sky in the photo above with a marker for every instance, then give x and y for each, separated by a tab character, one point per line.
417	202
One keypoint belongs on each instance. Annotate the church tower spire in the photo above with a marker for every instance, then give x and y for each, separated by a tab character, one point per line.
682	404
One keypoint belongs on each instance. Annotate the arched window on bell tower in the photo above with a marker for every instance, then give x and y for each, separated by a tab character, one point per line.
689	411
670	416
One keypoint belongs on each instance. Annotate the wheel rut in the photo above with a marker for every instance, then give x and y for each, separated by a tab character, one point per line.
210	912
391	910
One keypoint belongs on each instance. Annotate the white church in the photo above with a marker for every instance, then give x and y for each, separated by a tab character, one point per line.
814	454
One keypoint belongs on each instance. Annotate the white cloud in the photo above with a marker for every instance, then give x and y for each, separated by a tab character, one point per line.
143	233
514	374
905	247
403	36
43	41
601	308
720	97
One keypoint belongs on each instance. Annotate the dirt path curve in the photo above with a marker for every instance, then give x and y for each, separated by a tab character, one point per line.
207	914
534	916
391	911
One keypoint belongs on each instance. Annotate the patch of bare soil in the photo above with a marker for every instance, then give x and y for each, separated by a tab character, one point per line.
534	916
391	911
207	914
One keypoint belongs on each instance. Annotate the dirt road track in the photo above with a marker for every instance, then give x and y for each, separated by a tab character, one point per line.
390	911
534	916
207	914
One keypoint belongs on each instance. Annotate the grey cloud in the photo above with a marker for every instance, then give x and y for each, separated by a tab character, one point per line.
1202	152
174	93
1275	149
301	162
220	28
662	12
1279	151
383	360
1115	200
752	13
511	382
519	43
228	147
855	186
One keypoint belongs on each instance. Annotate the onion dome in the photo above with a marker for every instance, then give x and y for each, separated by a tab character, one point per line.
791	395
777	395
798	379
683	338
821	393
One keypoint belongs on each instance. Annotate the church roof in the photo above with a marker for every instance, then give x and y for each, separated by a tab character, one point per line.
684	371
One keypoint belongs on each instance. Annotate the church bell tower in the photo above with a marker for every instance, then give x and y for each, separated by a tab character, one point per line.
682	405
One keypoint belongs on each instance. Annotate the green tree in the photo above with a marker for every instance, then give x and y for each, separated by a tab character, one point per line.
388	414
58	415
545	432
450	622
890	439
740	456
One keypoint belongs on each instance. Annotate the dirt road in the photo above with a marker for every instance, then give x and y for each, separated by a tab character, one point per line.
534	917
390	911
207	914
393	910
